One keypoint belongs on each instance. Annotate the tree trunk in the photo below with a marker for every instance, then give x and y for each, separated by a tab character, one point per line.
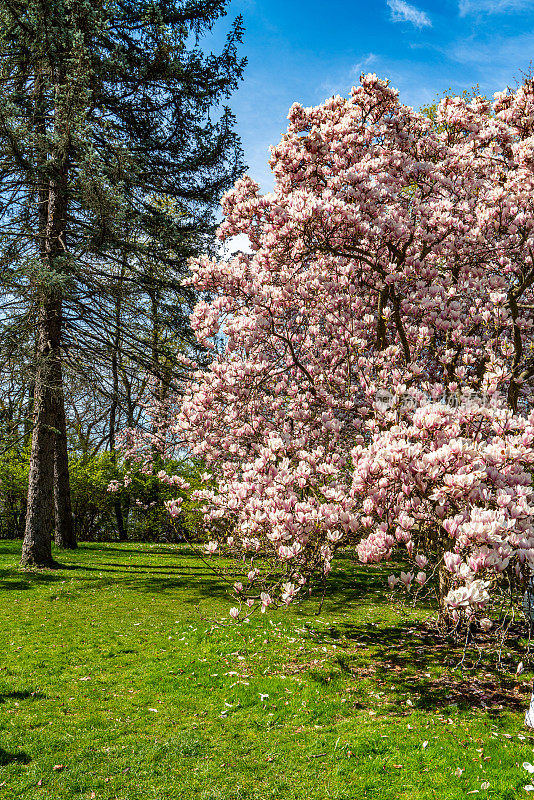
444	584
37	545
64	533
121	529
114	408
29	411
52	185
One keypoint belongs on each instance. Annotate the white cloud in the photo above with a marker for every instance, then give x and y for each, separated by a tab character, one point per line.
466	7
404	12
360	67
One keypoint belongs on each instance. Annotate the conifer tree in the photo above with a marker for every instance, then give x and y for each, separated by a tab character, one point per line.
111	121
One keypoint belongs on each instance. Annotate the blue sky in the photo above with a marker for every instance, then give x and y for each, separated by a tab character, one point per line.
307	51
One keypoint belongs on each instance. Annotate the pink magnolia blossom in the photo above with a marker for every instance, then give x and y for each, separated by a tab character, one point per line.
406	578
288	592
265	601
173	506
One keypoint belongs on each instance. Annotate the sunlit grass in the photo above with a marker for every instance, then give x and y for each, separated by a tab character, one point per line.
116	681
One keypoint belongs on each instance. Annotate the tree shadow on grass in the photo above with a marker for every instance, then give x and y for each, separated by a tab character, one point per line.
212	587
20	757
156	550
18	579
197	585
24	695
348	583
148	568
418	661
145	578
13	758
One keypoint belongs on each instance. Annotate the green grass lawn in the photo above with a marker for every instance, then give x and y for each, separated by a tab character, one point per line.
117	682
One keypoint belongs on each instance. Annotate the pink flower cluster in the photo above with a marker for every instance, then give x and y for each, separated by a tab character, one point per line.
454	483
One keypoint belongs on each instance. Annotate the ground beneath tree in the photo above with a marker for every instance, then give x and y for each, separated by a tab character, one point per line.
122	677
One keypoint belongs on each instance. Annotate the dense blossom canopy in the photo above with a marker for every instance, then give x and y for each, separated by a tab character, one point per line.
374	383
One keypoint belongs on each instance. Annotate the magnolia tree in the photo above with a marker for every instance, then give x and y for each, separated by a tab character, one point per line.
374	385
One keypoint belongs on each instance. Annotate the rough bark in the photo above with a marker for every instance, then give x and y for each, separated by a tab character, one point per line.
37	545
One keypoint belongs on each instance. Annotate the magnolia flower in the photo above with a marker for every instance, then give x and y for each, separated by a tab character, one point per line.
173	506
238	586
234	612
464	571
406	578
334	536
285	553
420	578
486	624
421	561
265	601
452	561
368	505
211	547
288	592
393	581
478	592
458	598
177	480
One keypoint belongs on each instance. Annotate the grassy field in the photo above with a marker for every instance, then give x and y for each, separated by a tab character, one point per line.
117	682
